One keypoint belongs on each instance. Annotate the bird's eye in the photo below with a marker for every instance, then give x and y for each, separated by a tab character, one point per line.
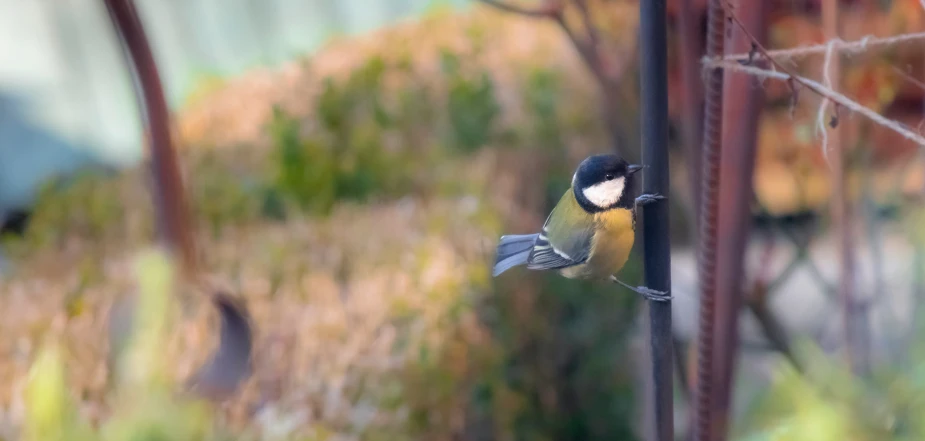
609	177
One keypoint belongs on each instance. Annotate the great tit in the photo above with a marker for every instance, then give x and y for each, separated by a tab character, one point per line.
590	232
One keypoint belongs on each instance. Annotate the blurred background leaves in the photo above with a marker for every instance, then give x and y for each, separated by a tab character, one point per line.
353	197
357	225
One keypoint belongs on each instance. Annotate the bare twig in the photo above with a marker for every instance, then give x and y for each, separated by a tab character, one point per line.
771	327
802	256
587	52
588	45
593	36
757	303
908	77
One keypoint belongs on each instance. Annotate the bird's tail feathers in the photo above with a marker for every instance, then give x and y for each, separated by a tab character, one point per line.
513	250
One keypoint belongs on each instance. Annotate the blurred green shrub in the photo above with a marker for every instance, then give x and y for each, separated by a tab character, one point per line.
828	403
563	359
471	104
541	97
368	138
344	156
221	193
86	204
371	140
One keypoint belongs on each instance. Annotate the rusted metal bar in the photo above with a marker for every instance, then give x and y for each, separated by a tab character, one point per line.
690	43
170	204
653	71
706	261
742	100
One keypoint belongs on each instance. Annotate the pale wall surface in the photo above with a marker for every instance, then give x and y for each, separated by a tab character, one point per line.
65	93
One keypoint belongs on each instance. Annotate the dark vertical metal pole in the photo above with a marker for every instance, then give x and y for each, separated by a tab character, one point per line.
654	82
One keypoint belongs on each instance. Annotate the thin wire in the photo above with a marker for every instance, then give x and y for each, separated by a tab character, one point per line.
841	46
830	94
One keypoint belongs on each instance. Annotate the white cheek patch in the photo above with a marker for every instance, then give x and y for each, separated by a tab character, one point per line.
605	194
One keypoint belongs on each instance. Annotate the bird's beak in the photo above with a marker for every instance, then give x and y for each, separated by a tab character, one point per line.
633	168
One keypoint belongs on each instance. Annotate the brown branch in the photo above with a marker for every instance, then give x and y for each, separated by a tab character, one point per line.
548	10
587	52
757	303
593	36
588	46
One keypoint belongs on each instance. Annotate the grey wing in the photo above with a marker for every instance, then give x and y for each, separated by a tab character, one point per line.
562	252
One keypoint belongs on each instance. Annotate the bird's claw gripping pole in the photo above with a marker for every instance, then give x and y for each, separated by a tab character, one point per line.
646	199
648	293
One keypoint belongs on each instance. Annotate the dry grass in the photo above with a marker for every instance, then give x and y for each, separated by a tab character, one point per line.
350	310
339	305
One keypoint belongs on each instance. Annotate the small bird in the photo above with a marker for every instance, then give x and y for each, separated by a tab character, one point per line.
590	232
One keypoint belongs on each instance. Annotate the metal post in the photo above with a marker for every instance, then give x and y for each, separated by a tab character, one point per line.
654	82
742	102
709	201
170	205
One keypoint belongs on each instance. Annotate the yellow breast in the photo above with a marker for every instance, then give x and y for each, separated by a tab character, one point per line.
612	243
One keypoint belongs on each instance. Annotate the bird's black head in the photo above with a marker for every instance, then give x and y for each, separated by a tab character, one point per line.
604	182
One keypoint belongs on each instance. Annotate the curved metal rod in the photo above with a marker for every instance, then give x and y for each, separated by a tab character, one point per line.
231	364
